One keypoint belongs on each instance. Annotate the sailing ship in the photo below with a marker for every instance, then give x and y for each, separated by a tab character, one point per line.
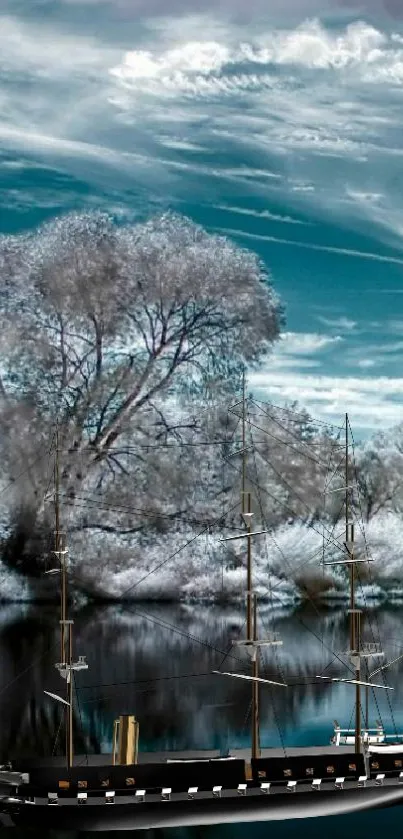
358	770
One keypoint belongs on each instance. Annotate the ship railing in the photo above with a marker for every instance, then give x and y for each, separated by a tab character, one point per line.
217	791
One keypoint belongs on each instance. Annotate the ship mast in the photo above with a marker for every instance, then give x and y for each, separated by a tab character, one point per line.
251	599
251	642
357	649
355	614
66	666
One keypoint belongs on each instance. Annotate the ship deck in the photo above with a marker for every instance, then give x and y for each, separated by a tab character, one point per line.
196	754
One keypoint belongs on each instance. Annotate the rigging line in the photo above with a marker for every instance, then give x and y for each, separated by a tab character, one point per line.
289	487
373	638
277	723
24	471
280	670
230	647
293	435
283	504
264	522
270	588
360	523
172	627
79	714
92	503
313	420
246	717
166	625
50	476
168	558
57	736
291	575
284	443
105	697
336	517
30	666
131	449
315	635
312	513
263	518
184	676
369	569
335	470
309	444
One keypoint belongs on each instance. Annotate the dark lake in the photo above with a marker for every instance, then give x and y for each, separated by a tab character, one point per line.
156	662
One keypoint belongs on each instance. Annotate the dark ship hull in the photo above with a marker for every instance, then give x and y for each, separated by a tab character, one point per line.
179	811
181	791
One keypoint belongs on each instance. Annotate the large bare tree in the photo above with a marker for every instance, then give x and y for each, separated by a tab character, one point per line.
108	329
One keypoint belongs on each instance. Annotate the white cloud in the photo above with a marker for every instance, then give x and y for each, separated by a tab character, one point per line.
278	361
294	343
292	350
309	89
372	403
361	48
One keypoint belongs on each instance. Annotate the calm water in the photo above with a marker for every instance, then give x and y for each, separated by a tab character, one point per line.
156	662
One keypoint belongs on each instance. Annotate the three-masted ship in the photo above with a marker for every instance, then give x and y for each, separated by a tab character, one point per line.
128	789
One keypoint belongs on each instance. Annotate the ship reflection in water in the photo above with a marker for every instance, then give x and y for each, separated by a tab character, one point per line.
156	662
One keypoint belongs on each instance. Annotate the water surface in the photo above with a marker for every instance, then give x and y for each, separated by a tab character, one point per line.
156	662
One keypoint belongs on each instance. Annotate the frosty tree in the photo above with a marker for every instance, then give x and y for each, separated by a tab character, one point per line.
103	327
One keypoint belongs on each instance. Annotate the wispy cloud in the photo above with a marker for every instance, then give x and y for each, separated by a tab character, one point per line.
312	246
261	214
366	363
303	86
342	322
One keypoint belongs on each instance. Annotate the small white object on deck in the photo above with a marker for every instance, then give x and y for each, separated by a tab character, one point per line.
192	791
242	789
217	791
291	786
379	780
166	793
362	780
81	798
265	787
316	783
140	794
110	796
339	783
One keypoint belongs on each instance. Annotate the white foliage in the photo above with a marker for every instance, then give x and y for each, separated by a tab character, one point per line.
286	564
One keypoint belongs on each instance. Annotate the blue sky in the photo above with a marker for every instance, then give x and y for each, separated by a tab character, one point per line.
282	130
